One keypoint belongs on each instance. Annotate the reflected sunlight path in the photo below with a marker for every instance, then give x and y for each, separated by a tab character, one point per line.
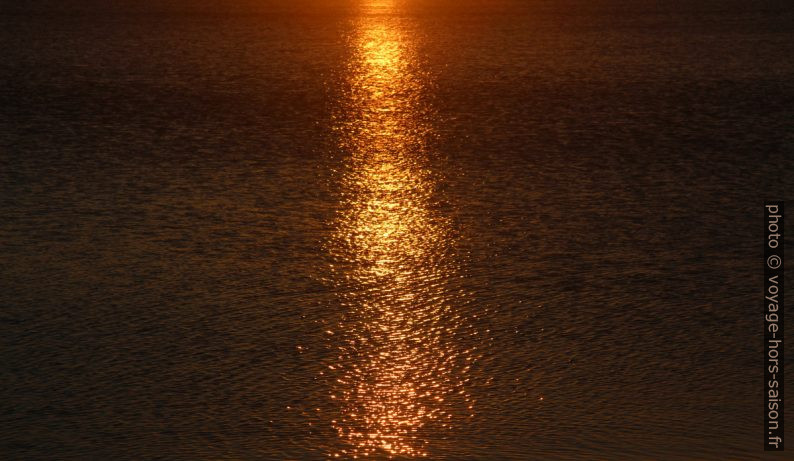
401	376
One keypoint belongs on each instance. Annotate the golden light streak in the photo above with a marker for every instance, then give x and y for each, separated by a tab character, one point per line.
398	374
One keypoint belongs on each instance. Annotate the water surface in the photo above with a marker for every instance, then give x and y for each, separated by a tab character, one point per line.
401	229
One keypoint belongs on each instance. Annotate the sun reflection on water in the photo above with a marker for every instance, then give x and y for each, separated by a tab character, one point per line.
401	376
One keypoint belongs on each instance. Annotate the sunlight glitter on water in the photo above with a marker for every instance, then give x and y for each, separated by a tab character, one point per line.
401	372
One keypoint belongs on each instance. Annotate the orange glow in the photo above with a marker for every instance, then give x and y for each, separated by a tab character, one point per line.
393	258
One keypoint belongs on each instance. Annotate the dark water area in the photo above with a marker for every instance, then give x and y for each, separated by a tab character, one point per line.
395	229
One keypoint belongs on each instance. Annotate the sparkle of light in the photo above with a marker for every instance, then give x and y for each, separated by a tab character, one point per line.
399	368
